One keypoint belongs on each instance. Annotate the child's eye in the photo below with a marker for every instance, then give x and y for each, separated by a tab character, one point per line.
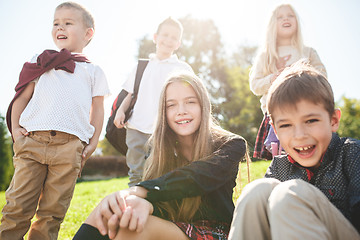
312	120
284	125
56	24
68	23
170	105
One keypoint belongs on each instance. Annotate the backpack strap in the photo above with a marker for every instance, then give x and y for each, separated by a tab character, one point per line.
142	63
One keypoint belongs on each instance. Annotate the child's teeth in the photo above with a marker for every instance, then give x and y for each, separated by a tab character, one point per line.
185	121
303	148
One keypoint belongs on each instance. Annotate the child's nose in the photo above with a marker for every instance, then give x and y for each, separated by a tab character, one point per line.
299	132
60	27
181	109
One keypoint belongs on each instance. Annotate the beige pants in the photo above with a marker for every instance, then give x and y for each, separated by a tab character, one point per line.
46	169
295	209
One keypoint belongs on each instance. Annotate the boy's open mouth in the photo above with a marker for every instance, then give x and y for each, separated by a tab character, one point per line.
304	150
61	37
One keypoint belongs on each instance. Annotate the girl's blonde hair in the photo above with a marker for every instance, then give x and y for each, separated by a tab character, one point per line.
163	144
268	55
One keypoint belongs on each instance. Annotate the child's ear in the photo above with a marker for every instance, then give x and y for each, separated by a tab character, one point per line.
178	45
154	38
335	120
89	34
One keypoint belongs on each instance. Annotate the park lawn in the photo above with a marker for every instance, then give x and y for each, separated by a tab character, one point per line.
88	194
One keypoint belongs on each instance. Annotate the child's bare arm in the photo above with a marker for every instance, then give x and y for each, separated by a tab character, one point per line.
18	107
96	119
119	120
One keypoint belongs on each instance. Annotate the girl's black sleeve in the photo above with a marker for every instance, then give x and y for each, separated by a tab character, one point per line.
199	177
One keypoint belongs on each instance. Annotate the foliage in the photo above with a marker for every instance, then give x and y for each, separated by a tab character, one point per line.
6	167
146	46
201	46
350	115
244	56
107	149
239	111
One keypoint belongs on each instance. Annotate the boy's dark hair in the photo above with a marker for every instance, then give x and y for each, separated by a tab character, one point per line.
87	17
170	21
300	82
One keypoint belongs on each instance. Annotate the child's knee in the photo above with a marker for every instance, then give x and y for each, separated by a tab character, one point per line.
289	193
259	189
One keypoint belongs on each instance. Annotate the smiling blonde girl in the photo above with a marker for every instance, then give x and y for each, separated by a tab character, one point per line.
186	192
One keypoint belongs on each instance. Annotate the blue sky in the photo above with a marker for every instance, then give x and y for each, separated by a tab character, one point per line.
332	27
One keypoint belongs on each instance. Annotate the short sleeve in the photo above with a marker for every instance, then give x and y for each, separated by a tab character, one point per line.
100	85
130	81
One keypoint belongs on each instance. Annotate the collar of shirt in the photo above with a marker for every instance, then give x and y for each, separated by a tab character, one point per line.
309	171
172	59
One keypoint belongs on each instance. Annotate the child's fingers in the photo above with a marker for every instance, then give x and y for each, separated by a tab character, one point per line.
121	196
141	222
113	226
115	206
100	223
85	153
105	209
24	132
133	224
126	217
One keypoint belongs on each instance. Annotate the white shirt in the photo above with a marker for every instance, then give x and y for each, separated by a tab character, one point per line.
147	104
61	101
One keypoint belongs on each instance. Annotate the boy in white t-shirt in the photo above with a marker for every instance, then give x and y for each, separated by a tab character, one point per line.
55	120
161	66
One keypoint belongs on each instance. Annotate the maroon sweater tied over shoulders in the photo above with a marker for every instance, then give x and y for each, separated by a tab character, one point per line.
46	61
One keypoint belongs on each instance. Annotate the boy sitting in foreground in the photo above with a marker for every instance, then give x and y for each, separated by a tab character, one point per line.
313	192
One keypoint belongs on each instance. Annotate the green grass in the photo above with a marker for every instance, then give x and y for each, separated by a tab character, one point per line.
257	170
88	194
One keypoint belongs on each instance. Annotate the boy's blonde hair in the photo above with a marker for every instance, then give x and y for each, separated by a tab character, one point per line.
163	144
172	22
88	20
268	55
299	82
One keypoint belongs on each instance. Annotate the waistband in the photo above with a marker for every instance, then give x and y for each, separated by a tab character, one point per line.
52	133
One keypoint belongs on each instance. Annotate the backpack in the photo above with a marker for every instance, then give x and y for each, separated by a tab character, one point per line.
117	136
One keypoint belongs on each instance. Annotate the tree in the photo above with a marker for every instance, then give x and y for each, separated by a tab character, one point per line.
107	149
350	115
6	167
239	112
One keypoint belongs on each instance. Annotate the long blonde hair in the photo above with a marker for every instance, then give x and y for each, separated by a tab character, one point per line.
163	145
268	55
